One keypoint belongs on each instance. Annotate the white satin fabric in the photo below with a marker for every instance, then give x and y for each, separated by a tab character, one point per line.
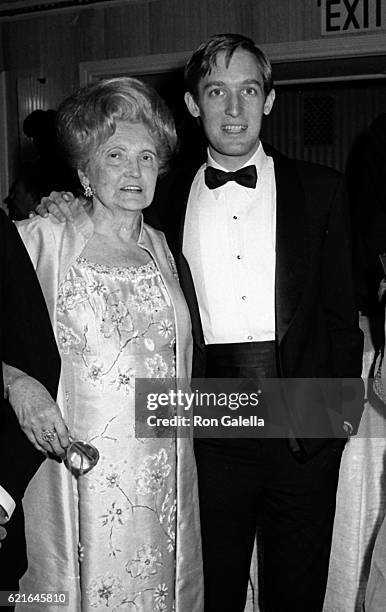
50	505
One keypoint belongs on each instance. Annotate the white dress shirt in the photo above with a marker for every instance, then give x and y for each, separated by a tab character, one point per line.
229	242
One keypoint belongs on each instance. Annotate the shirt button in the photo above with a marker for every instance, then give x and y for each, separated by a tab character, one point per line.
234	216
238	256
243	297
250	337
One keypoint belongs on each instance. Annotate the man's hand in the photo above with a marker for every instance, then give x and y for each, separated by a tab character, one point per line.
57	204
38	415
3	519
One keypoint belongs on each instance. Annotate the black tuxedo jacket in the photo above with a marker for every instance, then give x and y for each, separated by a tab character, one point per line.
26	342
316	315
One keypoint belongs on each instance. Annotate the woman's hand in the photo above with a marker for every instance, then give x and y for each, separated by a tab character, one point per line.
38	415
57	204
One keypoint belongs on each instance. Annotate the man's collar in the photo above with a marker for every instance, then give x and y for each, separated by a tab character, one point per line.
258	159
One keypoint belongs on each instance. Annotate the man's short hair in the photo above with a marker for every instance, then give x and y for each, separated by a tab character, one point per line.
203	60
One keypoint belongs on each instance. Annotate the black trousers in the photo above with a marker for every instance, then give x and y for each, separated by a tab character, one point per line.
257	484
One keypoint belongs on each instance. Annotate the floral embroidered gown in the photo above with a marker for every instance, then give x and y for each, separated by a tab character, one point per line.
115	324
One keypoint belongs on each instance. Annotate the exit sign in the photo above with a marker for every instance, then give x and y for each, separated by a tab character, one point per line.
348	16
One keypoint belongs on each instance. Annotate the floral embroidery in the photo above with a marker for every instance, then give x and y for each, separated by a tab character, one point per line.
157	367
67	338
164	506
148	299
116	317
98	287
80	552
116	323
103	589
147	562
71	293
108	478
171	529
115	514
125	380
172	371
173	266
160	592
165	328
152	473
95	372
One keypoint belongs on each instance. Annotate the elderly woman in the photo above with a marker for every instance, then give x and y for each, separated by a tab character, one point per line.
126	535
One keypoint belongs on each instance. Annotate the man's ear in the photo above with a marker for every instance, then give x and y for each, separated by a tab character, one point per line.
269	100
193	107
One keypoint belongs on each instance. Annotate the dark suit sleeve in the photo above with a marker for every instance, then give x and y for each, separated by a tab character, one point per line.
340	307
26	342
341	310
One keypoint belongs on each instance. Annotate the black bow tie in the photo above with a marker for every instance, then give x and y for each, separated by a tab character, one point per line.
245	176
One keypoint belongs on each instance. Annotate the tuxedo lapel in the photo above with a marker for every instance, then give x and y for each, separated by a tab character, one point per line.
291	242
175	197
180	218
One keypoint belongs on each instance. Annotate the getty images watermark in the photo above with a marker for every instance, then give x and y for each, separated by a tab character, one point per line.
196	404
247	408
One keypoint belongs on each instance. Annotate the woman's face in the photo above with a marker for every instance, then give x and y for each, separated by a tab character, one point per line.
123	171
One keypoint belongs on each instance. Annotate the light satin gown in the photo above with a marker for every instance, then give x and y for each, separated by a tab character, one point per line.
115	324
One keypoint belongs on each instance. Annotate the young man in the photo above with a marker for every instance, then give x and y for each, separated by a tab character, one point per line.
269	286
264	261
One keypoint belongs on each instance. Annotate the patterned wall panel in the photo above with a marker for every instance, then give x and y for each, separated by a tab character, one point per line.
343	110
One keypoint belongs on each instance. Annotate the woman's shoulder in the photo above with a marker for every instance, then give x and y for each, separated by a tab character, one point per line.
40	236
50	225
155	234
39	226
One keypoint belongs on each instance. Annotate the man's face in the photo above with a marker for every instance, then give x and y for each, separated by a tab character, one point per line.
231	104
